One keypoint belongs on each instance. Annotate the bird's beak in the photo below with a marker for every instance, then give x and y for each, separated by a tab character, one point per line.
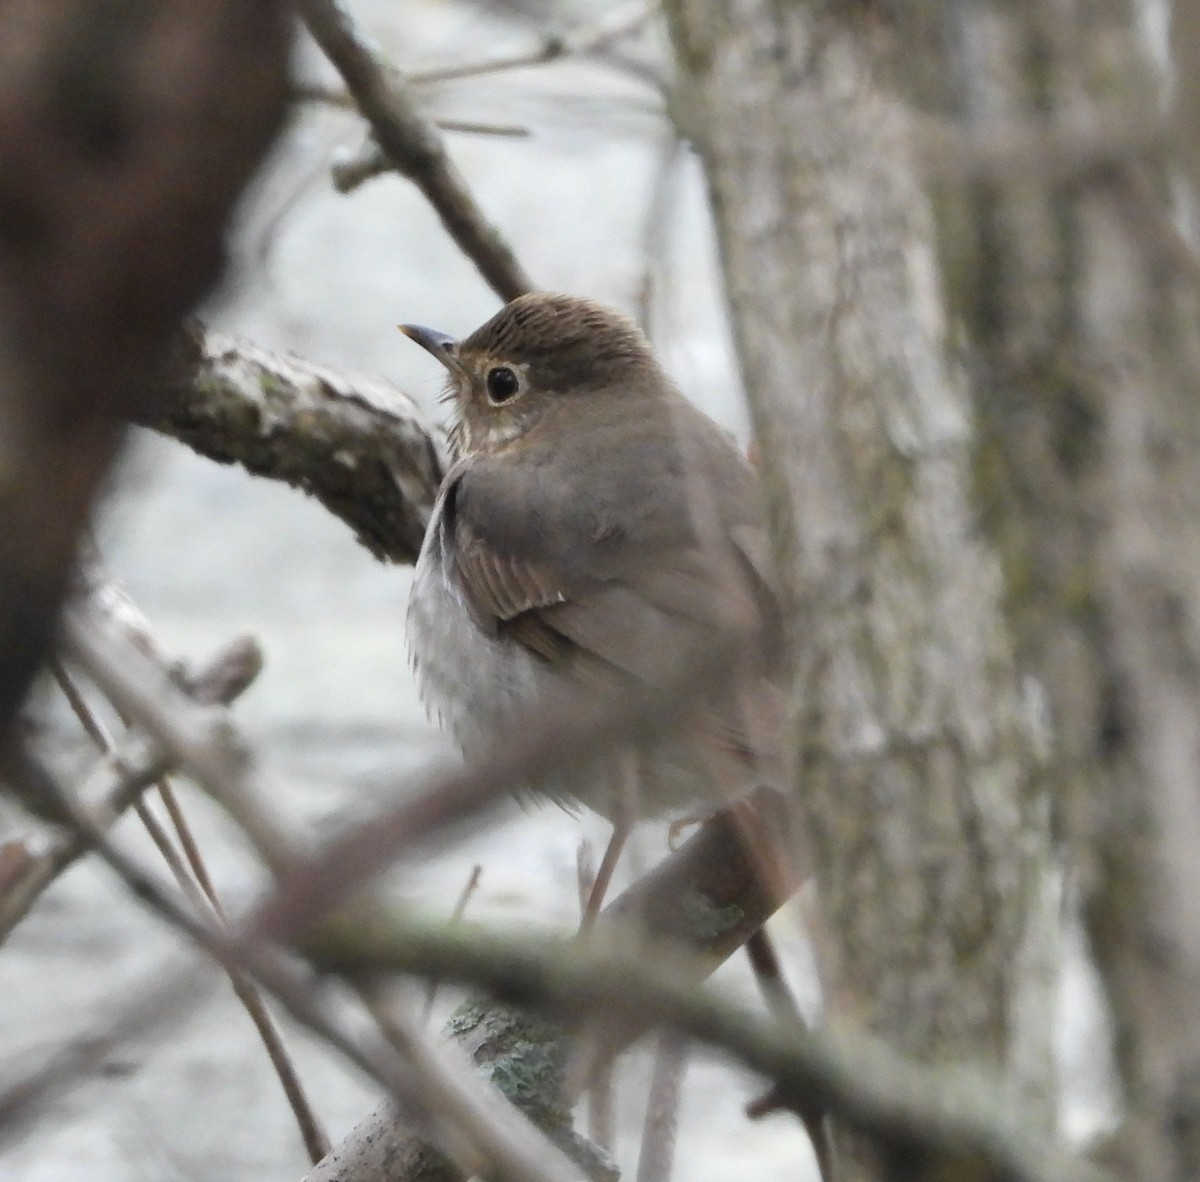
443	347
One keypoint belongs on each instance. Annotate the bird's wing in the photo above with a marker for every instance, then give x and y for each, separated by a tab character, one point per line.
620	593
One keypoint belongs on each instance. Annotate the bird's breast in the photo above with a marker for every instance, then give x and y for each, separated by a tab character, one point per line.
474	683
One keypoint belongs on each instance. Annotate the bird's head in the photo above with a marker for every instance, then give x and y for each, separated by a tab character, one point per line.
540	356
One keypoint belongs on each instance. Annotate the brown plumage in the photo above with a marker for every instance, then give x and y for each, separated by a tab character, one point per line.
596	532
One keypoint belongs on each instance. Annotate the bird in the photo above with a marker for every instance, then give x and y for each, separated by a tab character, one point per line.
596	533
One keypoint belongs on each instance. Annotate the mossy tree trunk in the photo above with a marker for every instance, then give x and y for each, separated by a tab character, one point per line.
1079	297
955	534
919	759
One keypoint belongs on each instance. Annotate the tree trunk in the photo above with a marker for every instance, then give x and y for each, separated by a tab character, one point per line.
1079	297
1073	458
918	758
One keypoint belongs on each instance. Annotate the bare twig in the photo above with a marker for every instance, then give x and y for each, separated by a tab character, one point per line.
196	737
370	161
469	889
357	444
198	886
479	1135
338	96
134	766
662	1109
768	972
585	873
600	1109
659	212
552	46
571	731
413	145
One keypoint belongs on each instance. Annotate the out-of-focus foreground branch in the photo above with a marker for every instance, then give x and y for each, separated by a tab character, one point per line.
703	901
126	134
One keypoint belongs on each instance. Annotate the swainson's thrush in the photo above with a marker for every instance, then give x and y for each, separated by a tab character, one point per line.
596	532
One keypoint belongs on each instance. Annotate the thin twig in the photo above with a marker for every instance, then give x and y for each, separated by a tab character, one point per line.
474	1127
460	909
512	131
199	887
585	873
768	972
370	161
894	1100
657	1151
412	143
659	213
552	46
706	896
116	783
340	97
601	1113
199	738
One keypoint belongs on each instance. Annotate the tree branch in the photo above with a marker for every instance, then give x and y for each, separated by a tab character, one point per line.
413	145
357	444
947	1113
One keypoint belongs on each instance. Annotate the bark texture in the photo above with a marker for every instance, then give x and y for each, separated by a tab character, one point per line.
1079	297
357	444
917	757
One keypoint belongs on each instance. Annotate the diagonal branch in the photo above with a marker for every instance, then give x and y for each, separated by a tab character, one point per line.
955	1115
357	444
413	145
117	782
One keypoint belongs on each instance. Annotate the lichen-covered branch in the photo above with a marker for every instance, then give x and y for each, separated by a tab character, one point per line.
705	900
355	443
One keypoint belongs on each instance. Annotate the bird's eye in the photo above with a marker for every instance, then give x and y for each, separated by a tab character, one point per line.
502	384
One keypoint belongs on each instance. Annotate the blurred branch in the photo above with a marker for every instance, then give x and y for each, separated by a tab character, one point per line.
661	1122
705	899
482	1135
197	737
337	96
115	783
200	889
552	46
370	161
952	1115
413	145
127	132
357	444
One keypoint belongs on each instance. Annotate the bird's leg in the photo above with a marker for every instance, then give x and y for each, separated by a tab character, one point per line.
624	813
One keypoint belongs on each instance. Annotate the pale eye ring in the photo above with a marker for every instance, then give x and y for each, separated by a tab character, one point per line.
502	384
